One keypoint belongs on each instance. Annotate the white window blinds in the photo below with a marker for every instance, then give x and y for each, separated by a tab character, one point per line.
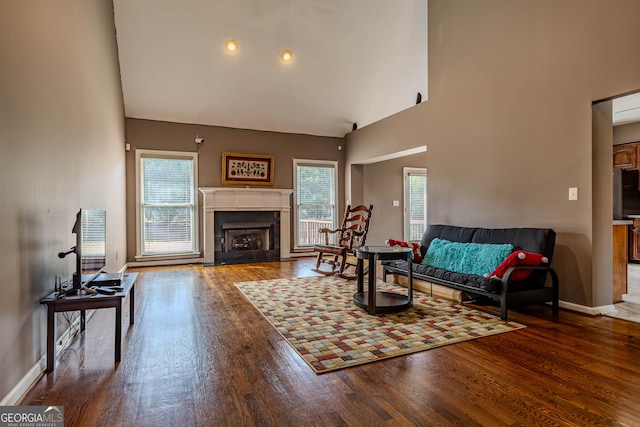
415	203
167	204
316	200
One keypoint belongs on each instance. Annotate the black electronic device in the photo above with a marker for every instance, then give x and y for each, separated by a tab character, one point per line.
105	291
107	279
90	229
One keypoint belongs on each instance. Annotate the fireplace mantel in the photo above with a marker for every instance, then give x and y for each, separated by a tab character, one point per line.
245	199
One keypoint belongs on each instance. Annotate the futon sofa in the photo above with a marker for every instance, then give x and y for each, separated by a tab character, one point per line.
520	284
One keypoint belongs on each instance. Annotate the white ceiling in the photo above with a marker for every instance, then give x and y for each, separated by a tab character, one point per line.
626	109
354	61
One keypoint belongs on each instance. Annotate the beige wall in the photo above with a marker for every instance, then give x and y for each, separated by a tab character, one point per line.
508	119
626	133
62	139
154	135
384	184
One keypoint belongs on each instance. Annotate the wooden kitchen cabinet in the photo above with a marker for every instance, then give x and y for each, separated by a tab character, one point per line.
634	241
620	249
625	156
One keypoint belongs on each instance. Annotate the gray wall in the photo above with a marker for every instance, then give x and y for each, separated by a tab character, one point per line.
508	119
384	185
155	135
62	138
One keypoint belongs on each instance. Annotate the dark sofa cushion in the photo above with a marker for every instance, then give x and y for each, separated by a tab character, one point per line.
537	240
446	232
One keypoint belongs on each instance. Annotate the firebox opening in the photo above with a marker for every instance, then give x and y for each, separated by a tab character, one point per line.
243	237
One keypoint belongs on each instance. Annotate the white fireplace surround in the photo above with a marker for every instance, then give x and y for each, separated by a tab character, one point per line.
245	199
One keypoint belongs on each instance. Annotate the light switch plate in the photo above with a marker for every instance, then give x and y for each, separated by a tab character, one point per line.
396	203
573	193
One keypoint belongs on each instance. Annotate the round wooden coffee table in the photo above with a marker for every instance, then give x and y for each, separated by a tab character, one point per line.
375	301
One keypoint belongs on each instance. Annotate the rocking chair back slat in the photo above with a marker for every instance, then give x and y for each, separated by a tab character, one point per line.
351	234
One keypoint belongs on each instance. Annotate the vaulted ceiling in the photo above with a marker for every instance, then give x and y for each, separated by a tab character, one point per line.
354	61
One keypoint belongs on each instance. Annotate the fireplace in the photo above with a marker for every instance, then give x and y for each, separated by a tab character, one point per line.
252	217
246	236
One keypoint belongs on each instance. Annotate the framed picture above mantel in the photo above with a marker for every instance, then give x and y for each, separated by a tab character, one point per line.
248	169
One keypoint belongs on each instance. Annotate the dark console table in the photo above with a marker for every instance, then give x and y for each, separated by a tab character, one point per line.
372	300
82	302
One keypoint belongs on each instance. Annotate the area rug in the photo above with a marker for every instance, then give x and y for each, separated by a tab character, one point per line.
317	317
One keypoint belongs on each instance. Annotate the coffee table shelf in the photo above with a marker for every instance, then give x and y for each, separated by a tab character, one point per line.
386	302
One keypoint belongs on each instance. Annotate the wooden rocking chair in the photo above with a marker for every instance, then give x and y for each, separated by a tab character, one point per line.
352	234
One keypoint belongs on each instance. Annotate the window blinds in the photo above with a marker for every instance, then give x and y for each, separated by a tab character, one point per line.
316	199
167	199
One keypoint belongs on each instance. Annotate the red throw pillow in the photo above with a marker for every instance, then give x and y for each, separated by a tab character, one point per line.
519	258
417	256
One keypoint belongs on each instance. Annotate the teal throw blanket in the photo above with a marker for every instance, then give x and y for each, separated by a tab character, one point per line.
468	258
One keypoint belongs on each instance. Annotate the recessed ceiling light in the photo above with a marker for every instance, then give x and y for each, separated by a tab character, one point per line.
231	46
286	56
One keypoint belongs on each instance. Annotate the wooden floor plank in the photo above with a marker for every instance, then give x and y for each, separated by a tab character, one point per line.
201	354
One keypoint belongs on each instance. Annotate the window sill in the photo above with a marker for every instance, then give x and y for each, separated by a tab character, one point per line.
303	249
167	257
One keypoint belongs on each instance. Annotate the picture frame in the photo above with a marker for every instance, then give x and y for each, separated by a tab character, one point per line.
248	169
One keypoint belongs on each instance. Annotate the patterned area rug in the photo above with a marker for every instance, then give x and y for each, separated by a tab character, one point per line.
317	317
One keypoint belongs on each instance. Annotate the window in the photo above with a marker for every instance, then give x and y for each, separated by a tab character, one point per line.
166	203
415	203
315	185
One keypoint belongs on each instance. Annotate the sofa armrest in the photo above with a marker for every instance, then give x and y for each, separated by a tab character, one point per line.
555	285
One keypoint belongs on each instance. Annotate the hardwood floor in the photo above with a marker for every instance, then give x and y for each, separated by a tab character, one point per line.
199	354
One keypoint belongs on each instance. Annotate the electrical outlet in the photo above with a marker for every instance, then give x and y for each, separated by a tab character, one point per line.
573	193
396	203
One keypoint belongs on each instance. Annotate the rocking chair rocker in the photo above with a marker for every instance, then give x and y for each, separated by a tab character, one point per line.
352	234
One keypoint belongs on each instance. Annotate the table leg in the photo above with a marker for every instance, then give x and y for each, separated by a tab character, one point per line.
83	318
118	342
373	258
51	338
132	301
410	278
360	274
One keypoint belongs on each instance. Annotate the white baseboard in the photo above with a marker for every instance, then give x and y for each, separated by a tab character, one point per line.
152	263
35	373
592	311
631	298
307	254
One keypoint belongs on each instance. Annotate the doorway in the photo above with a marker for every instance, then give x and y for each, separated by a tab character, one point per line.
415	203
624	134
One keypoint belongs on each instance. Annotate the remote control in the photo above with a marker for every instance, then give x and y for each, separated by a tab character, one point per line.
105	291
